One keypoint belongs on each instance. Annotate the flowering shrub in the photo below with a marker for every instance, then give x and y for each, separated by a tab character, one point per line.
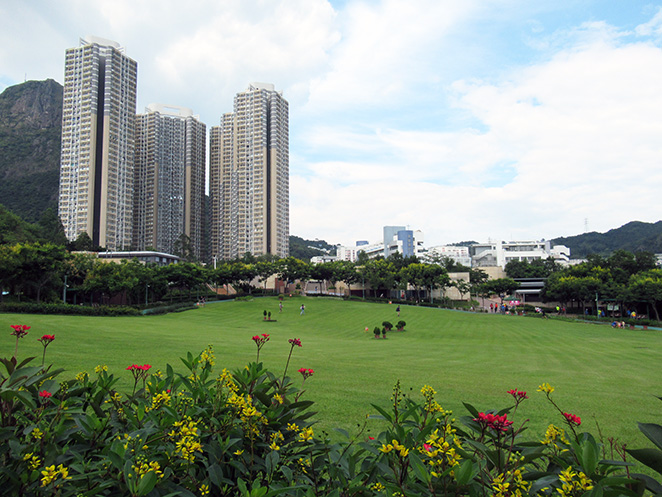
247	433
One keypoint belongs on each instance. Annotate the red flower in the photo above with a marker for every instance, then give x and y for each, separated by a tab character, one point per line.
45	394
306	373
572	419
20	330
261	340
498	423
46	339
295	341
139	371
427	447
371	438
518	395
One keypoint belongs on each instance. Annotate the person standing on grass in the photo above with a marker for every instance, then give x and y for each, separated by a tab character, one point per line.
280	307
303	310
398	310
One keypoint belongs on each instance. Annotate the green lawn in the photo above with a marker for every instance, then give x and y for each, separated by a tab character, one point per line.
600	374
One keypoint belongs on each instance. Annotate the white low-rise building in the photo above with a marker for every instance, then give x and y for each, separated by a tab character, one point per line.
459	254
500	253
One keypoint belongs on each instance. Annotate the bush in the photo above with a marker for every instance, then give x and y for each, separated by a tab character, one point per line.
249	433
388	325
67	309
401	325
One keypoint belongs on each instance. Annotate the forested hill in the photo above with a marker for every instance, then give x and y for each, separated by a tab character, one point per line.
633	237
30	129
305	249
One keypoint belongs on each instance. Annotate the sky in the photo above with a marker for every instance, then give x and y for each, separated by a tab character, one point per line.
473	120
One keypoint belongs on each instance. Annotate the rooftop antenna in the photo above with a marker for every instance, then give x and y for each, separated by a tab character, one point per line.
585	225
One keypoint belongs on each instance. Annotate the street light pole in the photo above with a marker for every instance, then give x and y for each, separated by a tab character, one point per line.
64	290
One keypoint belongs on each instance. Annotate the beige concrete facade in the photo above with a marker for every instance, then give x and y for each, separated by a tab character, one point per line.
170	170
96	162
249	176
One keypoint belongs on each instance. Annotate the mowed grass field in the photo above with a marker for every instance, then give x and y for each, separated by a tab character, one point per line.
603	375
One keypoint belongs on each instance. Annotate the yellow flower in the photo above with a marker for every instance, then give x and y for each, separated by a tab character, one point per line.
49	474
546	388
100	368
386	448
238	452
82	376
306	434
428	391
292	427
279	398
33	461
377	487
37	434
204	489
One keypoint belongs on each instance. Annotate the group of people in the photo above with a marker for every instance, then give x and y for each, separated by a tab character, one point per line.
302	309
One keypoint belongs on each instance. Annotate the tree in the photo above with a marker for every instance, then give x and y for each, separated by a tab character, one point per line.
346	272
647	287
83	243
502	287
264	269
38	265
538	268
291	269
379	274
51	228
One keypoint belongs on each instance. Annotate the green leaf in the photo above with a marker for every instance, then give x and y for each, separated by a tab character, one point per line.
271	461
590	458
651	483
344	433
420	471
215	474
653	432
287	473
383	412
464	473
242	487
595	492
147	483
650	457
472	410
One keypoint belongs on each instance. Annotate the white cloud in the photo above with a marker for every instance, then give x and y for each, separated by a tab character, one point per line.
467	120
571	138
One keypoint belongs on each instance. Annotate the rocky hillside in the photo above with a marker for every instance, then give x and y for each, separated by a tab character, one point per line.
30	129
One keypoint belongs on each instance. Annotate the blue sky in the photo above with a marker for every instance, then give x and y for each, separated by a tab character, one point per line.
501	119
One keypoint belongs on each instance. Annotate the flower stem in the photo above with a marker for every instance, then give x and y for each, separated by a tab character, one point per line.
287	365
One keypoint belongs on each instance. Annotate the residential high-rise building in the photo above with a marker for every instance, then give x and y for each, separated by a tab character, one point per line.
96	164
169	185
249	176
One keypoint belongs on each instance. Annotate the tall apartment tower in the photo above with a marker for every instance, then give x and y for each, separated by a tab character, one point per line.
96	163
169	180
249	176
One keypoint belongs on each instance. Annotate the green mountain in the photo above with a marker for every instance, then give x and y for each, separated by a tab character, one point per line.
30	129
305	249
633	237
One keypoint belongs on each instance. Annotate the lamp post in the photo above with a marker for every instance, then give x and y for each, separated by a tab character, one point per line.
146	293
64	290
362	280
